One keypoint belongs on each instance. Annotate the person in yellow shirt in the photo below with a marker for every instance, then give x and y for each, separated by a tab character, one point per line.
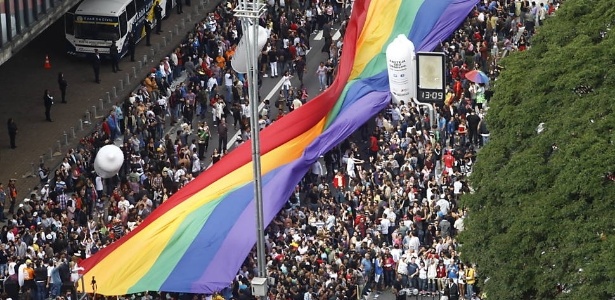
470	273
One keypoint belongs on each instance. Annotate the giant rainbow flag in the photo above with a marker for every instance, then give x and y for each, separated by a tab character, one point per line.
197	240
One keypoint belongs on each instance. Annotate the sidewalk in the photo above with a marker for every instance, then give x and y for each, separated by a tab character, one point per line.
23	81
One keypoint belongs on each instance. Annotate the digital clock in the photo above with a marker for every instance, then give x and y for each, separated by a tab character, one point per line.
431	85
425	95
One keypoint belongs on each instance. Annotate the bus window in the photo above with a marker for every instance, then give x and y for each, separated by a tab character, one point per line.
97	31
130	10
123	24
141	4
69	23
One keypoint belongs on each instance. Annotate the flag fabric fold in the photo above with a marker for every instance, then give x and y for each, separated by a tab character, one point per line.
197	240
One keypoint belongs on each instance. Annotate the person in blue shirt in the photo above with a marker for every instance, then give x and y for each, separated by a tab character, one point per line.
55	283
453	271
493	7
378	272
413	273
451	128
367	267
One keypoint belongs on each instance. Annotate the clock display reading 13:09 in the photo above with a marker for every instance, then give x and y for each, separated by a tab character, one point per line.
431	95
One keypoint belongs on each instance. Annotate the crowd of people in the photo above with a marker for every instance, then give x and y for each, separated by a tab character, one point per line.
379	213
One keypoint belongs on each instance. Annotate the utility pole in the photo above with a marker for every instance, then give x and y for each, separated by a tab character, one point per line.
249	12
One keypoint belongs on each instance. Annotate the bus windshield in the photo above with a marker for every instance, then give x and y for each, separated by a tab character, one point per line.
97	31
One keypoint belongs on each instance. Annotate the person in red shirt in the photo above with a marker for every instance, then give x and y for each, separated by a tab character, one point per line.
449	161
463	71
360	225
455	72
484	55
458	89
477	36
373	146
389	270
339	186
106	128
441	275
292	49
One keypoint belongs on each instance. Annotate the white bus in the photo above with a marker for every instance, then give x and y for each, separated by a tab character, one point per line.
3	27
94	24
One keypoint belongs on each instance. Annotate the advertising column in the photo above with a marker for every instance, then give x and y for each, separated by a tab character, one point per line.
401	69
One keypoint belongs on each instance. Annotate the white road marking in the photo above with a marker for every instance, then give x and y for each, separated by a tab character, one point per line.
337	35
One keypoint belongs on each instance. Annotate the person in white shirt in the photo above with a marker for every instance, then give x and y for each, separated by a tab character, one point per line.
211	83
228	84
286	84
350	166
459	225
71	207
457	185
321	72
218	111
414	243
245	109
179	173
262	123
396	253
123	205
12	265
443	204
385	223
395	115
161	69
402	267
99	185
390	215
196	165
330	223
10	236
308	294
297	103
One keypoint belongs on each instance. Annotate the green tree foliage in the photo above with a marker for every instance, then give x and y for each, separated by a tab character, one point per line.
542	218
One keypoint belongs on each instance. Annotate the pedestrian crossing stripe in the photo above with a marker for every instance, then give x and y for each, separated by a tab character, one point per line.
335	37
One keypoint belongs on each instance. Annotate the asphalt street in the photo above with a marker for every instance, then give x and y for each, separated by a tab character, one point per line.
23	79
270	90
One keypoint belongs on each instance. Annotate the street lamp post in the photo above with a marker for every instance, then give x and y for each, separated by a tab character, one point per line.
249	12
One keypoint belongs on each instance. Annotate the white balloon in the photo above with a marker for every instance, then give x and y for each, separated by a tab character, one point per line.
401	66
239	62
108	161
